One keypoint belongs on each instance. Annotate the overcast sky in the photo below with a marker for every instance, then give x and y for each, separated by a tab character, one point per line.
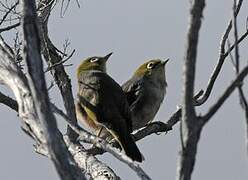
137	31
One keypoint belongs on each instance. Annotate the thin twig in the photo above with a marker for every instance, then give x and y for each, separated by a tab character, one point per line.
6	47
242	98
8	101
8	12
221	59
230	55
10	27
62	9
78	4
59	63
214	108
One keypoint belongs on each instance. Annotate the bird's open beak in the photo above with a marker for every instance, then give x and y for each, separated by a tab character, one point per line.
165	62
107	56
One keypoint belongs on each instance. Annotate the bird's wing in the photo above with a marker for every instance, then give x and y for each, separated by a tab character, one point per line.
133	89
114	97
106	101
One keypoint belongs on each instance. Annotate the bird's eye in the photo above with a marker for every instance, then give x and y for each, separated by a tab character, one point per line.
150	65
94	59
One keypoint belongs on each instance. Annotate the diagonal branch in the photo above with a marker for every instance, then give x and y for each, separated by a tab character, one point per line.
222	57
8	12
215	107
10	27
102	144
8	101
58	71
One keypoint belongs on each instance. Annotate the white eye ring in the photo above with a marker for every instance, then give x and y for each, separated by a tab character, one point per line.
94	59
150	65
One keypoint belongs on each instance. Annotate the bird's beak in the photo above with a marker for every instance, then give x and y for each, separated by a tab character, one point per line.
165	62
107	56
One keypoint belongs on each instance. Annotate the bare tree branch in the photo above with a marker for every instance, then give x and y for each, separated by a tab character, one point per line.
5	47
8	101
103	144
13	77
190	135
54	141
214	108
242	98
8	12
52	57
222	57
91	165
30	124
9	27
61	62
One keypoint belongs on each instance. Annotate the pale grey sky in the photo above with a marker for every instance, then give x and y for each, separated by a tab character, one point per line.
136	31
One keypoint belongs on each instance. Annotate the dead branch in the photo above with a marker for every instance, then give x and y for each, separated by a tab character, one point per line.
8	12
52	57
215	107
10	27
242	98
189	134
8	101
222	56
57	149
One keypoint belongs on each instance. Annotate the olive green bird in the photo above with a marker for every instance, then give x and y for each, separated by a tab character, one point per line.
145	92
102	104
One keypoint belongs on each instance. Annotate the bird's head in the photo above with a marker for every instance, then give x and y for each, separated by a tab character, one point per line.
152	67
93	63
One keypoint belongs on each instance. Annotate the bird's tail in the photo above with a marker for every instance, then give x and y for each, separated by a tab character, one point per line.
130	148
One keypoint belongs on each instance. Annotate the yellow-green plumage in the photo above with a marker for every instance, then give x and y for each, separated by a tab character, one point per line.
145	91
92	63
102	104
143	70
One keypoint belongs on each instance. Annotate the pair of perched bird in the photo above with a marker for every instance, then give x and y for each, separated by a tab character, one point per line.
112	111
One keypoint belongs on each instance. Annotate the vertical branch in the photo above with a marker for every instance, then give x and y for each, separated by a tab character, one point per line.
52	57
190	130
54	140
235	30
242	98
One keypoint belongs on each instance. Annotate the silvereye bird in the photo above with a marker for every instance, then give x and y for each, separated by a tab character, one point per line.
145	92
102	105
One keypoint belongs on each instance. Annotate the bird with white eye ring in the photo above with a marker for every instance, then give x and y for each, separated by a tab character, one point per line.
94	59
145	91
150	65
102	106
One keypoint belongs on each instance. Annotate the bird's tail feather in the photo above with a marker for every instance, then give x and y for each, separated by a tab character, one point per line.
131	148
